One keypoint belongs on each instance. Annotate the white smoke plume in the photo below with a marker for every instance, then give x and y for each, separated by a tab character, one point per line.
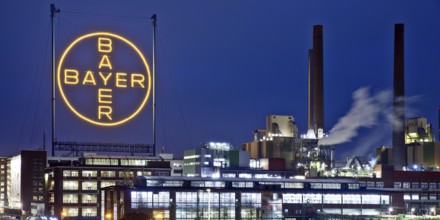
364	112
368	110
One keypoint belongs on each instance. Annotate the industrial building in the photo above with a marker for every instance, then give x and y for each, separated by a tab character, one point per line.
22	183
208	159
72	184
280	174
398	192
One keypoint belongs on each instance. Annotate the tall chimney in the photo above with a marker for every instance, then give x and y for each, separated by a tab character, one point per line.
310	122
318	81
399	149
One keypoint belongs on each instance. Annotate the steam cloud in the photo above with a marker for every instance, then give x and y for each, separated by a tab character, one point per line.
364	112
367	110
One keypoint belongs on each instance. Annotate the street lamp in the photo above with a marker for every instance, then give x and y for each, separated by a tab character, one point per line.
108	215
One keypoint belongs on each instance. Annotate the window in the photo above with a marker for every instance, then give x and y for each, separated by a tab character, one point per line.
292	198
379	185
312	198
351	199
150	200
70	173
89	212
71	211
89	198
385	199
242	184
70	185
371	199
89	173
331	185
126	174
415	196
107	183
415	185
89	185
424	185
70	198
294	185
109	173
332	198
397	184
316	185
406	185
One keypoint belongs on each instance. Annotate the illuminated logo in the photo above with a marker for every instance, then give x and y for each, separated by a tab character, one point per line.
104	79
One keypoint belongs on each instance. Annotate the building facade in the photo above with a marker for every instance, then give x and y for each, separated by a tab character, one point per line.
72	186
24	185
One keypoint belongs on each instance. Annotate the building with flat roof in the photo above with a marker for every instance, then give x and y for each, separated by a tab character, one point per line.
73	184
23	191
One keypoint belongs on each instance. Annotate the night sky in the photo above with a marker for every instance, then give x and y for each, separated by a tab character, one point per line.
222	66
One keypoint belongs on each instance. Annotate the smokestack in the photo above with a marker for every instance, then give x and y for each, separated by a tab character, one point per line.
310	122
318	81
399	150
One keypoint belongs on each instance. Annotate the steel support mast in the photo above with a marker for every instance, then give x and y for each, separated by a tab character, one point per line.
53	11
153	21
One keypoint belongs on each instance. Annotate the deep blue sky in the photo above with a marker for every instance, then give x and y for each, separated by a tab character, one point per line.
222	65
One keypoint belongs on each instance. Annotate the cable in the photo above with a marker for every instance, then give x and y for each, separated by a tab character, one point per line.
42	68
90	15
175	91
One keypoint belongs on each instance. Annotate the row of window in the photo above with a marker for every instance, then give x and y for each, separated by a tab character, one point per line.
421	196
116	161
74	212
416	185
404	185
108	173
318	198
85	185
74	198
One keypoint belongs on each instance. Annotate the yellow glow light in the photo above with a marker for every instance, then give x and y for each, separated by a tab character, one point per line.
71	77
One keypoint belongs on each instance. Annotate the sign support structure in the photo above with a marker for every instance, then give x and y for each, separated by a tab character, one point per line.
153	21
53	11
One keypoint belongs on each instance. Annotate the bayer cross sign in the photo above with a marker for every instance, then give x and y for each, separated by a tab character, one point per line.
104	79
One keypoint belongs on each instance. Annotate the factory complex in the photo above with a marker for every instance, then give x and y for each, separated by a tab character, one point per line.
280	173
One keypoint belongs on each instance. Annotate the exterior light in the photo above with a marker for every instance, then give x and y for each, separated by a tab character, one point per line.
108	215
390	209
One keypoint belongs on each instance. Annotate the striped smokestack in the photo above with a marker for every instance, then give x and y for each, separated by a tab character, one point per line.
399	150
318	80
